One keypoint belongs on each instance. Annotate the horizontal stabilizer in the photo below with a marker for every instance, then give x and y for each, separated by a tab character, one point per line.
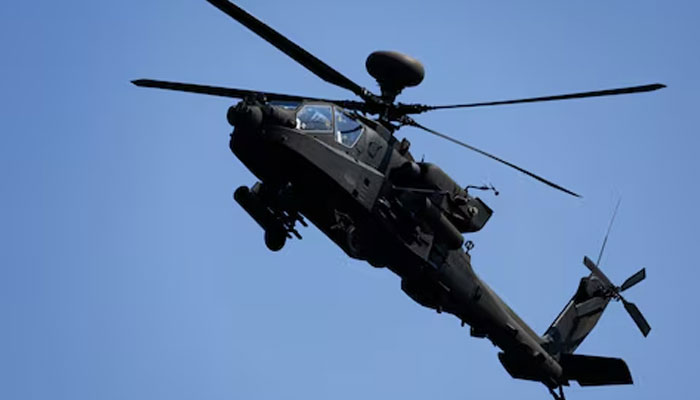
595	371
591	306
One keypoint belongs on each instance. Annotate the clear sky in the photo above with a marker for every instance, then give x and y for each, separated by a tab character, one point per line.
128	272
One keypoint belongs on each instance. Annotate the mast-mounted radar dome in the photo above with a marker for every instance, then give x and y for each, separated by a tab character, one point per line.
394	71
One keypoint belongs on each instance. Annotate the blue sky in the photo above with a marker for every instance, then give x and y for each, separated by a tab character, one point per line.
127	271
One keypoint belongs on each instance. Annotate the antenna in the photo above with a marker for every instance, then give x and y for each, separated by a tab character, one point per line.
605	241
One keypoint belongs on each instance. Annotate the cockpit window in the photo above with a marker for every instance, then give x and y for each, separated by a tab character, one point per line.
316	118
347	129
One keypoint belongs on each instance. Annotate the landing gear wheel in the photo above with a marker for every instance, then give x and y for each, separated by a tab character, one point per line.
351	241
275	239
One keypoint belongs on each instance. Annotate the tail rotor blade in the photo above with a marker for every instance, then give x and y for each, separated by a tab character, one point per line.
637	316
634	279
597	272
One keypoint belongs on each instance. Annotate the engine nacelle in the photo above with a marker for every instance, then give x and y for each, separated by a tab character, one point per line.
465	212
444	230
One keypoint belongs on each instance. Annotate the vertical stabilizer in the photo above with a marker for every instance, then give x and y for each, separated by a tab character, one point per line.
577	319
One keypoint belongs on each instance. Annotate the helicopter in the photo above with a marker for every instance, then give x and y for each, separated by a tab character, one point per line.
339	165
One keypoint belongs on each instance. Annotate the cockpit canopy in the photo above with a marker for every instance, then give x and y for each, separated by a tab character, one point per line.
315	118
327	119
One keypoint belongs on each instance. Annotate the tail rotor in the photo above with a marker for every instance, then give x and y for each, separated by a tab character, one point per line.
611	291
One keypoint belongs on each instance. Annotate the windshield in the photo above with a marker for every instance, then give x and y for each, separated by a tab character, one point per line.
347	129
316	118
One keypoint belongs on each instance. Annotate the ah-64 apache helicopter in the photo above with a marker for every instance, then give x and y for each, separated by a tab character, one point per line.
328	161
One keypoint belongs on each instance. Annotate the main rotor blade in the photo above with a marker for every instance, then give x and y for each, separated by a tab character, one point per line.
634	279
219	91
411	122
597	272
605	241
637	316
303	57
597	93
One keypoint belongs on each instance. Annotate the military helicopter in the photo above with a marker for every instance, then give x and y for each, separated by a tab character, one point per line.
330	162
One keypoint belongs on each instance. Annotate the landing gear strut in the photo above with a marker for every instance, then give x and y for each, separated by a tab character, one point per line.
556	396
